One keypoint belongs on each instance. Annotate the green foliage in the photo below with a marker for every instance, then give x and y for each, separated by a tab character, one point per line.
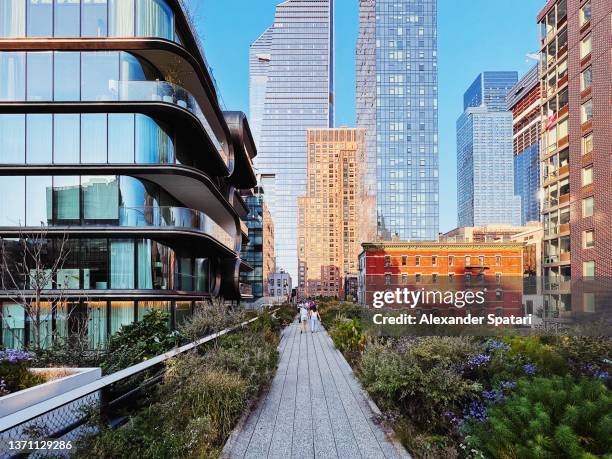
538	350
286	314
210	318
419	378
140	341
555	417
14	372
347	336
335	310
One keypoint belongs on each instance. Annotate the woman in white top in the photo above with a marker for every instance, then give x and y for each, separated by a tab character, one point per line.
304	315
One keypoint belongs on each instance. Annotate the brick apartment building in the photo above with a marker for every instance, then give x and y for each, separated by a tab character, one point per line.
576	152
445	266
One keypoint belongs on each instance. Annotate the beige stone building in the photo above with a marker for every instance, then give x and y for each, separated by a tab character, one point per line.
330	214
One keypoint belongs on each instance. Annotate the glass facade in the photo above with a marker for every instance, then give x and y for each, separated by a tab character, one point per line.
527	182
87	18
485	189
397	104
298	96
259	65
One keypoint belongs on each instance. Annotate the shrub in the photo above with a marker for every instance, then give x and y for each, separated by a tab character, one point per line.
552	417
14	372
286	314
537	350
420	378
210	318
347	336
140	341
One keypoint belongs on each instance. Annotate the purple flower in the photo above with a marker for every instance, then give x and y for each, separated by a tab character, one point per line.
493	396
15	356
603	375
476	410
530	369
496	345
478	360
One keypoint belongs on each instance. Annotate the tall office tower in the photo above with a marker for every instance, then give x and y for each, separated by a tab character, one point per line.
524	102
576	45
329	213
112	138
485	182
397	105
299	95
259	64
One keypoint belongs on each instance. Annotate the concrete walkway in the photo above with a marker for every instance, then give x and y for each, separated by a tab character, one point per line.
315	408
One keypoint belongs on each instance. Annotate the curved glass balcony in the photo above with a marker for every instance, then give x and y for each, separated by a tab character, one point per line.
163	91
175	217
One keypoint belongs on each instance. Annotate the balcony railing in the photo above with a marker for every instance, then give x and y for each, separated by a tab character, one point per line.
164	91
246	289
175	217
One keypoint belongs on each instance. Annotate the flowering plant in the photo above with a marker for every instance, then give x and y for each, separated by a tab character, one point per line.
14	372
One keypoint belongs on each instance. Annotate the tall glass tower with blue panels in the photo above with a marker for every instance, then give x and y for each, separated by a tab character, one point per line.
296	58
397	95
485	163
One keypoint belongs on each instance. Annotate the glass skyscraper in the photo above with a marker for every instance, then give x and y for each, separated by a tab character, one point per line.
259	63
485	179
397	104
299	89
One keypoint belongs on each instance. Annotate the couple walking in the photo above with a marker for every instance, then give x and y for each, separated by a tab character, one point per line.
309	313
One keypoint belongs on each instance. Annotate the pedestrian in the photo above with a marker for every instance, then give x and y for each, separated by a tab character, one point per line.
315	319
304	316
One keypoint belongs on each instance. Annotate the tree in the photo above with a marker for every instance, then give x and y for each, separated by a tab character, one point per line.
32	276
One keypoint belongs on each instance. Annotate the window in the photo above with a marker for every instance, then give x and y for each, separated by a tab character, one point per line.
12	19
12	139
417	261
40	18
585	13
404	260
561	69
498	294
498	277
66	138
586	111
94	18
155	19
387	261
404	279
66	204
587	175
451	277
434	278
588	239
38	139
468	278
12	201
498	260
39	73
451	260
12	76
588	269
387	279
100	198
434	261
93	138
38	200
67	18
585	46
481	260
563	98
586	78
100	74
468	261
417	278
66	76
562	128
588	207
587	143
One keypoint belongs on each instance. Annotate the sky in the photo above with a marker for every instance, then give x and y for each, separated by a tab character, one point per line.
473	36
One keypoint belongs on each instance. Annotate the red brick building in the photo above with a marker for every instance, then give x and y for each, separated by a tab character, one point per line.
437	266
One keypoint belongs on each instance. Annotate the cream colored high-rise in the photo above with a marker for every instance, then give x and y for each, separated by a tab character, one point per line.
331	213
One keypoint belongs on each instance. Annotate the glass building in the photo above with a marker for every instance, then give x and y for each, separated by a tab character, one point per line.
397	105
485	188
299	89
119	148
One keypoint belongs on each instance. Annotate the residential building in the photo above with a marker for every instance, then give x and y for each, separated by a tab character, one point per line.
397	105
445	266
329	213
524	102
111	136
280	285
351	286
299	94
259	252
532	240
485	188
486	233
575	50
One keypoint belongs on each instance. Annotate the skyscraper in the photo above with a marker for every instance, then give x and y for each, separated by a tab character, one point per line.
485	182
524	102
329	213
298	95
576	46
397	104
259	64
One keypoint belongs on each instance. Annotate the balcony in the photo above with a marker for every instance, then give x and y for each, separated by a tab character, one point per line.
175	217
246	290
170	93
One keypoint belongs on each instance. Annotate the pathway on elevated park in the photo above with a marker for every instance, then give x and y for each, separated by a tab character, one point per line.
314	408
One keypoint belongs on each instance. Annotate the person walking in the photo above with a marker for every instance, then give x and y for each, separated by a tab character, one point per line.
304	315
315	319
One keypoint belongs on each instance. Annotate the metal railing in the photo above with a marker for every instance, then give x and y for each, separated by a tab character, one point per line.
66	416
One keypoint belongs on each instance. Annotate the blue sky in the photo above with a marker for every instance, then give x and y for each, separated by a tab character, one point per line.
473	35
